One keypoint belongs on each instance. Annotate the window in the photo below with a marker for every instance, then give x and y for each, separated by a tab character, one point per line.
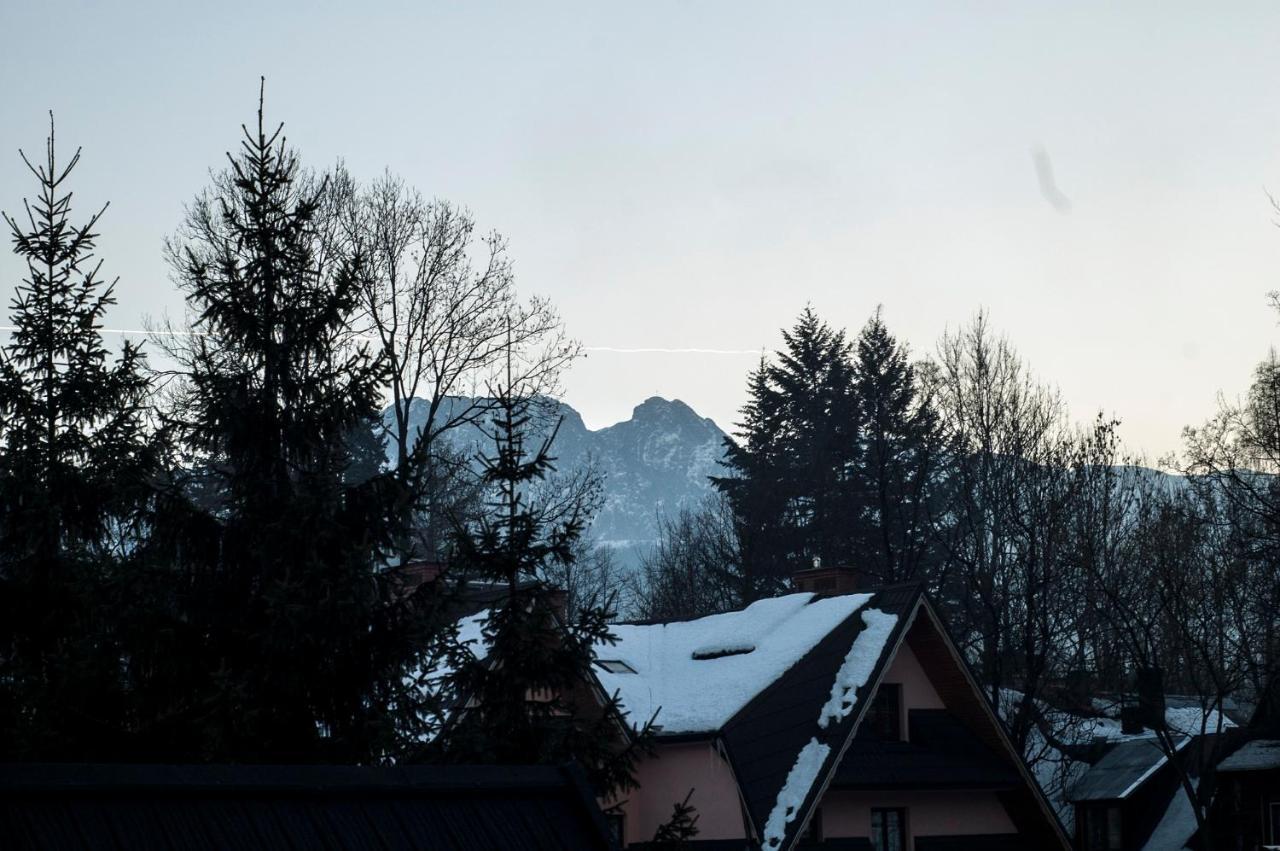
1103	829
615	666
889	830
616	827
884	715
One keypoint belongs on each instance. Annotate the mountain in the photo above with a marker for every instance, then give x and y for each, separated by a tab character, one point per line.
656	462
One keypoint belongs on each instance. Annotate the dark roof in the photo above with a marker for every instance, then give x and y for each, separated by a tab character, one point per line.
1257	755
1122	770
299	807
764	738
941	754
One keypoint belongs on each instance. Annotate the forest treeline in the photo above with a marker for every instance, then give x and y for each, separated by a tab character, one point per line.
227	549
1068	570
205	546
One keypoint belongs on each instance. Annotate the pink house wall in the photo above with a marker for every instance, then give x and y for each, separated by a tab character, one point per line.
931	813
667	777
917	691
928	813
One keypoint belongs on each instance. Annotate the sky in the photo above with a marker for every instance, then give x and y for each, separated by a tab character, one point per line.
681	175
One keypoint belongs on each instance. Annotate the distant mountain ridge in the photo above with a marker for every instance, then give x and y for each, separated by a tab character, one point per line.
656	462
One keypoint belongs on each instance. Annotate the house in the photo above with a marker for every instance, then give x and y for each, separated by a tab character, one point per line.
822	720
1246	808
1121	801
215	808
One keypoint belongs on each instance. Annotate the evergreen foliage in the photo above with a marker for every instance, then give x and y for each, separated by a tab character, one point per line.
682	827
791	482
527	691
897	471
74	462
279	633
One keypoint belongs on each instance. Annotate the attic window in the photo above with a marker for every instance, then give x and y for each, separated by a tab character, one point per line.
718	651
615	666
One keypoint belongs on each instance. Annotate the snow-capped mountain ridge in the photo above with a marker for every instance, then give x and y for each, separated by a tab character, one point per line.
655	462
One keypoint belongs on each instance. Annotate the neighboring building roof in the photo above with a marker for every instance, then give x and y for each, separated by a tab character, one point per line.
697	674
1257	755
112	807
783	684
1123	769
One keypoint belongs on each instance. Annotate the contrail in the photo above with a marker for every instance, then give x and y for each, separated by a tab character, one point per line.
610	349
646	351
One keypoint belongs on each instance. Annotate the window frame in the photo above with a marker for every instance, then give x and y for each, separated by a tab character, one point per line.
880	839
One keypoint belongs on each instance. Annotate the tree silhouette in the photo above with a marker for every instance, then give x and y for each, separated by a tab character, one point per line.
74	460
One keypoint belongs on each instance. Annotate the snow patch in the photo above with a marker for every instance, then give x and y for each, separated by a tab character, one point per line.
800	780
741	652
1176	825
858	665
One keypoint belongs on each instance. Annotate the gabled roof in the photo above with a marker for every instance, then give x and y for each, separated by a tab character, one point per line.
112	807
697	674
1121	771
784	684
1257	755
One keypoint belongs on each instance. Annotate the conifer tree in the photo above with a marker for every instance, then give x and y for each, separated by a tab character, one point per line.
791	473
681	828
526	688
74	463
294	641
896	473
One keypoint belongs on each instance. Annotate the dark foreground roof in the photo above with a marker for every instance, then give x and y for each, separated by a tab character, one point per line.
941	754
297	807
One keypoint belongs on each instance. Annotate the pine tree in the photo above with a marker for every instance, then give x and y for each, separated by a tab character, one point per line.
790	481
681	828
294	642
525	692
896	473
74	463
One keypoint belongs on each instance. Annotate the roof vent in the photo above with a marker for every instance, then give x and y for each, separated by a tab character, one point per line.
615	666
719	651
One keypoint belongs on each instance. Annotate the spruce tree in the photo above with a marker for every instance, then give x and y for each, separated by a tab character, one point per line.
791	472
526	688
286	638
74	463
756	492
896	473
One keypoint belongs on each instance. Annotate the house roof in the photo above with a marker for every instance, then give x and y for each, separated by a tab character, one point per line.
113	807
783	685
1121	771
697	674
1257	755
941	754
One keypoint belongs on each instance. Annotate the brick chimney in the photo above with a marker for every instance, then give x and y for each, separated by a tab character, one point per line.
832	581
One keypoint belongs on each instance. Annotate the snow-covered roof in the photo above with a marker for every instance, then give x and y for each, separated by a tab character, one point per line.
698	674
1258	755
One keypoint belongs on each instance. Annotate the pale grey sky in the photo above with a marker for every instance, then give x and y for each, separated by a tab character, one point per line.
689	175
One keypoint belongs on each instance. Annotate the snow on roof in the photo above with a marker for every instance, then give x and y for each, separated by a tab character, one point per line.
800	780
858	665
1258	755
1177	825
697	674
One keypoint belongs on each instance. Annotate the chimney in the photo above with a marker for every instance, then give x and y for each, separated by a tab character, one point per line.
832	581
1150	687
